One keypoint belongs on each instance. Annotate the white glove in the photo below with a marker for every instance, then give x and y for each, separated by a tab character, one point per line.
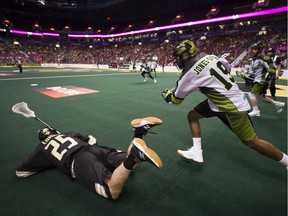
92	140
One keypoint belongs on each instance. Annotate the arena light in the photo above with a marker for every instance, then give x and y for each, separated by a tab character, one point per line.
174	26
35	33
213	12
51	34
193	23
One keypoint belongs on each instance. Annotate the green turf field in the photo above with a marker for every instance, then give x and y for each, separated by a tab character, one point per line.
233	181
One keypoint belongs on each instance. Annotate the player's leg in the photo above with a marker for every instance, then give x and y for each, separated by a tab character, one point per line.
118	180
139	153
253	94
88	168
195	153
273	87
266	148
155	72
241	125
278	105
151	77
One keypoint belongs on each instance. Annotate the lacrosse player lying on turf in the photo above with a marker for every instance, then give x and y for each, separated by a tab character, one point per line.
102	169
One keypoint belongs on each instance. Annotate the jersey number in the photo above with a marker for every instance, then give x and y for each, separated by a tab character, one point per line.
227	83
56	145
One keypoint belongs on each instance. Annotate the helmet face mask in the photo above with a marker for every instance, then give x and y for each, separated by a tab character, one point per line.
181	60
183	52
256	49
45	132
255	52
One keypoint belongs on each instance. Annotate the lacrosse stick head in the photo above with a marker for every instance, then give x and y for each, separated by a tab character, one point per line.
23	109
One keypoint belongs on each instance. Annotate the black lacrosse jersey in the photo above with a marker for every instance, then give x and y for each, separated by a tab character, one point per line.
55	151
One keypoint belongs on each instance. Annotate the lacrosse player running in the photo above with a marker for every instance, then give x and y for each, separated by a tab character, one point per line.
153	66
260	82
274	70
207	74
146	71
102	169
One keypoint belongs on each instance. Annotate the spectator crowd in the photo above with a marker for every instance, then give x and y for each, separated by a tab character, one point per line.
36	51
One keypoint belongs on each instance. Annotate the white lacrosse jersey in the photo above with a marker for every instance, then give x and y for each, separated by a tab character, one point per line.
259	68
153	65
209	76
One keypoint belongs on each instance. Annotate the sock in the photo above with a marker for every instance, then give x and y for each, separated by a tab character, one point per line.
129	162
197	143
255	108
138	135
284	160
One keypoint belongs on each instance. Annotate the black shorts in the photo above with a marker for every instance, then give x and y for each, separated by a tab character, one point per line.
239	122
203	108
96	164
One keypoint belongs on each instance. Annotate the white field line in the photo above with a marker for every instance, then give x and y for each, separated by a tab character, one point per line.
71	76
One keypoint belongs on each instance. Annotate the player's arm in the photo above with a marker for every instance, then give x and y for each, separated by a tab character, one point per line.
226	64
34	163
88	139
183	87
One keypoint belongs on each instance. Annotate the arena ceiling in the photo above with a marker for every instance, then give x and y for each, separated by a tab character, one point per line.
96	12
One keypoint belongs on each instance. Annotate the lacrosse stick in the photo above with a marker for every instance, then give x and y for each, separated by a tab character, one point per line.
243	75
23	109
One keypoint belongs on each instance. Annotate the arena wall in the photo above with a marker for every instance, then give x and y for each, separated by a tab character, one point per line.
166	68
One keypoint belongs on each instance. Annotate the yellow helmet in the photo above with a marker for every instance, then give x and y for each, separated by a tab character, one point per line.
185	46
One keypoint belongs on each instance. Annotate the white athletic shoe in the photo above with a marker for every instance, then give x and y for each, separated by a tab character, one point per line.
155	81
145	79
279	106
254	113
192	154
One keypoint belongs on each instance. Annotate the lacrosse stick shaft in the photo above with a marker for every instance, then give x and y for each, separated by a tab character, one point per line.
23	109
244	76
38	119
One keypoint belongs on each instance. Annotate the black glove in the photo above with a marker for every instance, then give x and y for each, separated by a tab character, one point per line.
268	76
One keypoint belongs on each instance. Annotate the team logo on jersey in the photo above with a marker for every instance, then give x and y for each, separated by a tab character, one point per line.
64	91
